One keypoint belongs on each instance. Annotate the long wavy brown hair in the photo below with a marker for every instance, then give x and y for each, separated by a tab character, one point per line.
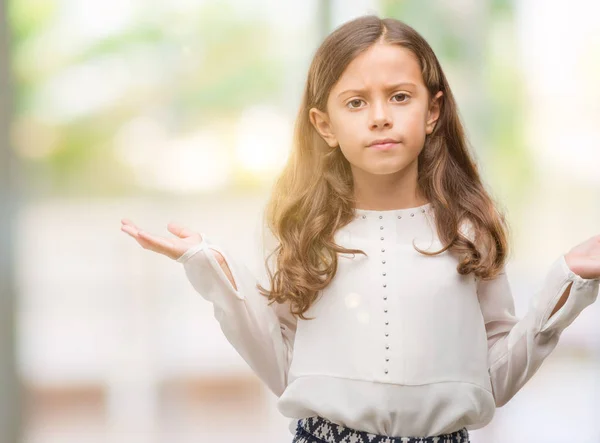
314	195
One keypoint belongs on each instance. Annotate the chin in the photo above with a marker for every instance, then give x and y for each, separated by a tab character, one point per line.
386	169
391	171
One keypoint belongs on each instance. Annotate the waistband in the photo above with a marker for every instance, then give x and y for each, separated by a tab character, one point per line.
330	432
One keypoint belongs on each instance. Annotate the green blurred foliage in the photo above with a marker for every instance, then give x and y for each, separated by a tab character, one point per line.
211	62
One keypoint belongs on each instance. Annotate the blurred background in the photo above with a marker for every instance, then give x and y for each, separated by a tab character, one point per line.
182	111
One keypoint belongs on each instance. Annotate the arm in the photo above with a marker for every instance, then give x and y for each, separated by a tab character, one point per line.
262	334
517	347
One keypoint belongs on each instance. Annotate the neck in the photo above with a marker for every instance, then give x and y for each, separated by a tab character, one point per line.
387	191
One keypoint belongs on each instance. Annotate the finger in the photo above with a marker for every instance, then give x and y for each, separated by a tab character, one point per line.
151	242
129	230
179	230
158	244
128	222
135	234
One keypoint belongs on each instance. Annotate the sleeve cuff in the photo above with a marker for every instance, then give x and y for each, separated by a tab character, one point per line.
193	250
206	275
583	293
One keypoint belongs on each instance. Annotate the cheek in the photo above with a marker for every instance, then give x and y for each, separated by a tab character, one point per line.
348	129
410	120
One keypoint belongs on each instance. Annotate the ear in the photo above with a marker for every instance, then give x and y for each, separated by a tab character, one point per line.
320	121
434	112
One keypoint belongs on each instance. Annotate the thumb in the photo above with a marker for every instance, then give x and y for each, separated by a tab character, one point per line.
181	231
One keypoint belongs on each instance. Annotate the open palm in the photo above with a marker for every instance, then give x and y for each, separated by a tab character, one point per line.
584	259
172	247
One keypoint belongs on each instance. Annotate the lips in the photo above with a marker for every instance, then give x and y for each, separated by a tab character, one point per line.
383	146
382	141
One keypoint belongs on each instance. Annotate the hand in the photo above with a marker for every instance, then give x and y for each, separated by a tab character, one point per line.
584	259
171	247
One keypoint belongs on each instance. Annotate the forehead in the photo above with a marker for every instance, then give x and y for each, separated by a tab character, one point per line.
381	64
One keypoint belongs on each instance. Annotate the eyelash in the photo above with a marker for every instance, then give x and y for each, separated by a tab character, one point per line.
402	93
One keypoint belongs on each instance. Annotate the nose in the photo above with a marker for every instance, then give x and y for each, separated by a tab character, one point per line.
380	116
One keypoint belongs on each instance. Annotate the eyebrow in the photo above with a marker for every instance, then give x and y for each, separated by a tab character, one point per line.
389	87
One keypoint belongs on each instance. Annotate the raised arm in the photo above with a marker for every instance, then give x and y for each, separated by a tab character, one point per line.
262	334
517	347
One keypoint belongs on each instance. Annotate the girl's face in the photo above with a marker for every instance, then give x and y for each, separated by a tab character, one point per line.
380	95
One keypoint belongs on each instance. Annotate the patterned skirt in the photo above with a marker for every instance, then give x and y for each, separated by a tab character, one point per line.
320	430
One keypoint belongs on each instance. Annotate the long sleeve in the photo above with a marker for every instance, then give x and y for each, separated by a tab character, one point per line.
262	334
517	348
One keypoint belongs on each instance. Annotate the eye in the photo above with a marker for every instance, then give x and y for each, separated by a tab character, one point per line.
402	95
353	101
358	101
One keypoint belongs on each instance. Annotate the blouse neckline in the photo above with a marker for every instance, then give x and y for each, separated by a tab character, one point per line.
368	213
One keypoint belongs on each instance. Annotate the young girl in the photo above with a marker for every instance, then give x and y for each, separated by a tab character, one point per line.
390	317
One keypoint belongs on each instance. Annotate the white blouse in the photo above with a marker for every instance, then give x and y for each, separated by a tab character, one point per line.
401	344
